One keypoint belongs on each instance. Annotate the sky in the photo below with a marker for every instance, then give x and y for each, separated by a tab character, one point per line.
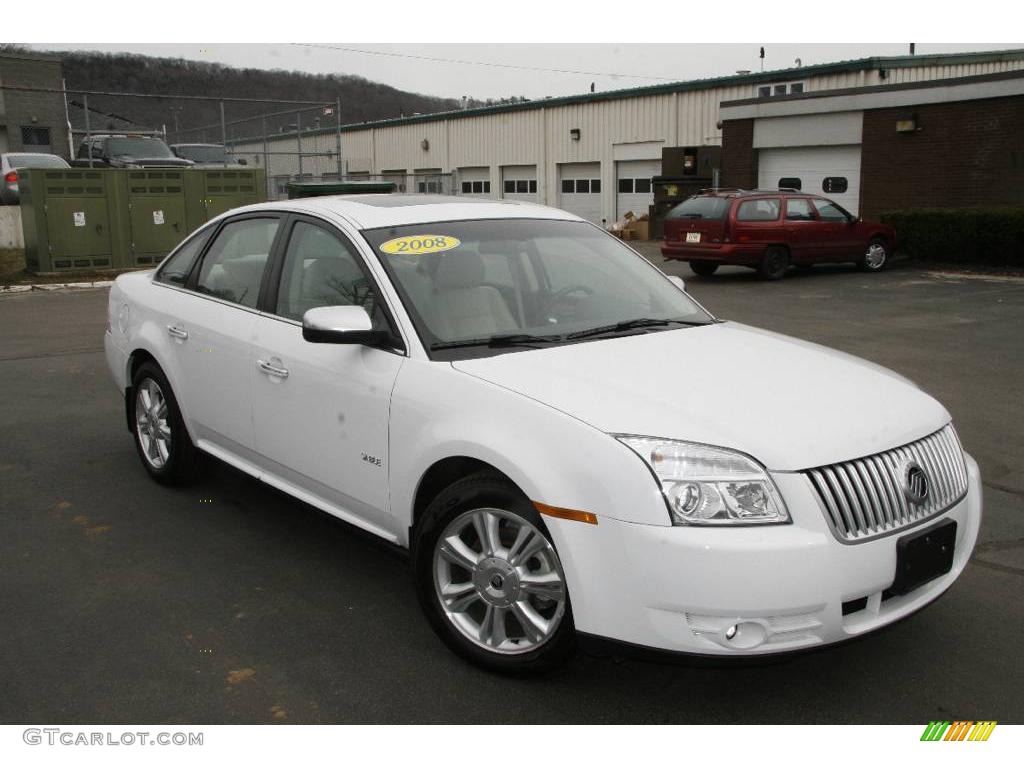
525	68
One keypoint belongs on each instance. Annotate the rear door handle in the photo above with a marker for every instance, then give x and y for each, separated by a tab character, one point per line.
176	332
272	370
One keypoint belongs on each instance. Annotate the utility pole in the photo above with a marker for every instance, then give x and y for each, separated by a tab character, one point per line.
298	139
88	133
223	134
337	115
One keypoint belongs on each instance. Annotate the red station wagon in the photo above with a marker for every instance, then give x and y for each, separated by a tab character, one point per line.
770	230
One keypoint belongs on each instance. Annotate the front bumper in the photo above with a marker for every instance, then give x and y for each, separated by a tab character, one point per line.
681	589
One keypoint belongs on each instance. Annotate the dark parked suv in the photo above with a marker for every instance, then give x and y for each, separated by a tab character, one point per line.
770	230
127	151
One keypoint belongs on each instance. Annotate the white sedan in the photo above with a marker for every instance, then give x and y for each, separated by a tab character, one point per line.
571	447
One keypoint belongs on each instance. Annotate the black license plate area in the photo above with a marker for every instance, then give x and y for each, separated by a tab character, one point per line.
923	556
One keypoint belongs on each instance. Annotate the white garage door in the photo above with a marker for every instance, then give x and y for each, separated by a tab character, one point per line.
830	171
633	186
579	190
474	182
519	182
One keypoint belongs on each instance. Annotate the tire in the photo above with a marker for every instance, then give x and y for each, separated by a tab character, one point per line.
774	263
876	256
473	594
164	446
703	268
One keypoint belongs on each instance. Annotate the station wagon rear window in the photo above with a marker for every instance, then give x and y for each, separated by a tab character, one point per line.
701	208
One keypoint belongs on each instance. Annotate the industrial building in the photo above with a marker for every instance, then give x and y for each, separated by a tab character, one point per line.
596	154
32	121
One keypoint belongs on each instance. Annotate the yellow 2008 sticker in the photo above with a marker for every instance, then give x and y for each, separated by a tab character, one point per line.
417	245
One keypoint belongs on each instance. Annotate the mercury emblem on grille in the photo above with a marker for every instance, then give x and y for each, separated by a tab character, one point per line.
915	482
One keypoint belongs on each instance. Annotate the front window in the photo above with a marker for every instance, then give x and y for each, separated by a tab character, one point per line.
480	287
203	154
829	211
138	146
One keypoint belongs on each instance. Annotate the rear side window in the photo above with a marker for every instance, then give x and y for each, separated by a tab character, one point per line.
759	210
798	209
234	264
176	269
701	208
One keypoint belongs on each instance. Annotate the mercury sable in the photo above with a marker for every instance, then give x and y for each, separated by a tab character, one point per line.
571	447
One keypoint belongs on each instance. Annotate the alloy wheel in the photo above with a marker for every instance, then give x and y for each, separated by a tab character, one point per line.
499	581
151	423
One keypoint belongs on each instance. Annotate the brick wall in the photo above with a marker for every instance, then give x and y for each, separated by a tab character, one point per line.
966	154
739	160
18	108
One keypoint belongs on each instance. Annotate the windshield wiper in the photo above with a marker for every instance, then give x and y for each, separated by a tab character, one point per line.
506	340
629	325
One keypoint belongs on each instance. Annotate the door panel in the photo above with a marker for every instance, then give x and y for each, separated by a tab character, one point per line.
812	165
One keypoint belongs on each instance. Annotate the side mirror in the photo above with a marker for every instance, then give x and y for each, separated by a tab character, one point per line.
341	325
678	282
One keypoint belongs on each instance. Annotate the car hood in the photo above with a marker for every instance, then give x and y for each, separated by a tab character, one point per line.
790	404
155	162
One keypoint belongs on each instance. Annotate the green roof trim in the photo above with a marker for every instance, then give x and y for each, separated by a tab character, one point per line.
754	78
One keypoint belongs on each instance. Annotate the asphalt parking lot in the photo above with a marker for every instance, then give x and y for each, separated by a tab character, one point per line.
227	602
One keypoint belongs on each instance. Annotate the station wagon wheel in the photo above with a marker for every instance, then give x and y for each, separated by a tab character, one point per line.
489	577
875	257
704	268
161	439
774	263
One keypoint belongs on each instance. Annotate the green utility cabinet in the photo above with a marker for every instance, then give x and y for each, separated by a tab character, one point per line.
212	191
123	218
156	213
69	218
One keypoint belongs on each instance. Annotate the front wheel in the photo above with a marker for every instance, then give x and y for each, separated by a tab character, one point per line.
163	443
489	579
703	268
875	257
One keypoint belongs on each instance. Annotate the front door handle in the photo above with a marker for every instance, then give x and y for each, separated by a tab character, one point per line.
176	332
272	370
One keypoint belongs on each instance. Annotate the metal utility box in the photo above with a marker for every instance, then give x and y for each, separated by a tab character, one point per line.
297	189
156	213
70	219
211	191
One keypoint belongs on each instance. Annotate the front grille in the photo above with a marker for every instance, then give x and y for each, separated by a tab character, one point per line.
866	498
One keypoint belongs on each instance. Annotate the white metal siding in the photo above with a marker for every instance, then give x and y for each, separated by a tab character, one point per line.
582	201
637	200
812	165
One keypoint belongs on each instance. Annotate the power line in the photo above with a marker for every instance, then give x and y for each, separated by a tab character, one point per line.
66	91
479	63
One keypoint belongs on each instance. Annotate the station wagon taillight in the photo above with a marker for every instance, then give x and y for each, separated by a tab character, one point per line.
11	177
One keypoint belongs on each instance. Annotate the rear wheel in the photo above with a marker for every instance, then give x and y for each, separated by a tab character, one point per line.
489	579
774	263
875	257
164	447
703	268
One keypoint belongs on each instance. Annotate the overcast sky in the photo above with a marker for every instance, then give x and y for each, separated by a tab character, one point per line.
607	66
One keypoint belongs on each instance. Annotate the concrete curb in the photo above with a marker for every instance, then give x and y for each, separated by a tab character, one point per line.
4	289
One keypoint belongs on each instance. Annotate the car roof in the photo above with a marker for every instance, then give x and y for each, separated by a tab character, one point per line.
384	210
729	193
197	144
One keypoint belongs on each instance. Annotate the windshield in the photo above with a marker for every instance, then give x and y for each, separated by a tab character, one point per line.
202	154
138	147
700	208
473	286
31	160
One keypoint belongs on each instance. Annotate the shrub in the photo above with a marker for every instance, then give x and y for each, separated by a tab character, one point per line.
984	236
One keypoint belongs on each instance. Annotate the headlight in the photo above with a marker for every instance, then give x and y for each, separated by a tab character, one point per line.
710	486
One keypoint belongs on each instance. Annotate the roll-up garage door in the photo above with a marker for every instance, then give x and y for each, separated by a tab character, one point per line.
633	186
579	190
519	182
830	171
474	182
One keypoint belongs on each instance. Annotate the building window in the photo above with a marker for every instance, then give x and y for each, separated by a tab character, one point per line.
835	185
568	186
487	187
796	88
533	186
582	186
780	90
467	187
595	185
523	186
478	187
790	182
642	186
509	186
764	91
625	186
33	136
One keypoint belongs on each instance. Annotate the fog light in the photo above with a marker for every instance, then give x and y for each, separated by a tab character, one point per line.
746	634
730	633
